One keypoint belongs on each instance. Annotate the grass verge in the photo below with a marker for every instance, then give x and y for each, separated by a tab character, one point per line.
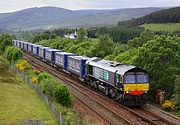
19	104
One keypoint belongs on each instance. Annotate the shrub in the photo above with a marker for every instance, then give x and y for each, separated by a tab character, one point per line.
17	54
5	40
13	54
71	118
30	73
34	80
54	89
23	65
110	57
42	76
62	95
47	86
36	72
177	92
169	105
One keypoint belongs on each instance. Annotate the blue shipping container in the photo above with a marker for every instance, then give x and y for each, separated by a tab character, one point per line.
61	59
30	47
42	51
14	42
50	54
36	49
77	65
26	46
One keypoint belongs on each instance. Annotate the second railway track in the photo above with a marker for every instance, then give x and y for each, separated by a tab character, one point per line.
106	108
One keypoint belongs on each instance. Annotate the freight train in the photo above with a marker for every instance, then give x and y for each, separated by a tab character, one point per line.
124	83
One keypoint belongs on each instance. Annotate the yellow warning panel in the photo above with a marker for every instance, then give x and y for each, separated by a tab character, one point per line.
133	87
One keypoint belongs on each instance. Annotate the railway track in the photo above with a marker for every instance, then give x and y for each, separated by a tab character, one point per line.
105	107
75	96
152	116
160	113
101	110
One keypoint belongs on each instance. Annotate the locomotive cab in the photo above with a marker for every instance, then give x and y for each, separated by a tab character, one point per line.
124	83
135	86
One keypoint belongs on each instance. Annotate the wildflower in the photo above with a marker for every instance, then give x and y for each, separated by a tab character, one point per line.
34	80
37	72
23	65
169	105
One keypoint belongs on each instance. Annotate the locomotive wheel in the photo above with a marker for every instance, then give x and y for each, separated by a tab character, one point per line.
88	82
121	100
107	91
111	93
95	85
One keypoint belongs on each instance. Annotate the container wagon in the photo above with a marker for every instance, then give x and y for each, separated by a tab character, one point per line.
50	55
61	59
77	66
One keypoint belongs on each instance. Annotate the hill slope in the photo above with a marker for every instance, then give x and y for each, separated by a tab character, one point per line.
171	15
110	17
34	17
51	17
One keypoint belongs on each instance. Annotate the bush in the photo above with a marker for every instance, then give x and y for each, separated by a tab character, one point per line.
71	118
54	89
23	65
109	57
5	40
62	95
36	72
169	105
13	53
30	73
34	80
42	76
177	92
48	85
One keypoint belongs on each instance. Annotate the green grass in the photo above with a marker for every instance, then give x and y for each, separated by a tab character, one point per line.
18	102
175	113
162	27
73	117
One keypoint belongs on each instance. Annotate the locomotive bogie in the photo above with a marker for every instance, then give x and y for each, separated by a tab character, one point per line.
135	100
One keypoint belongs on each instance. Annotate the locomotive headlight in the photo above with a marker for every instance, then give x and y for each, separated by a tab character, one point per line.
145	91
127	92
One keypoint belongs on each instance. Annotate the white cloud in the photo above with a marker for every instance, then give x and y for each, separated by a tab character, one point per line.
14	5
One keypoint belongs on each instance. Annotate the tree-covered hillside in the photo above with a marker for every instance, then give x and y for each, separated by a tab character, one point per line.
118	34
171	15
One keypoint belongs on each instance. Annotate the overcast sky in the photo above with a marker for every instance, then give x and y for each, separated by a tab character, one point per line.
15	5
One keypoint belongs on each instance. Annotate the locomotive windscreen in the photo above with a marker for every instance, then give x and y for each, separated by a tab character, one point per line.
136	78
142	78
